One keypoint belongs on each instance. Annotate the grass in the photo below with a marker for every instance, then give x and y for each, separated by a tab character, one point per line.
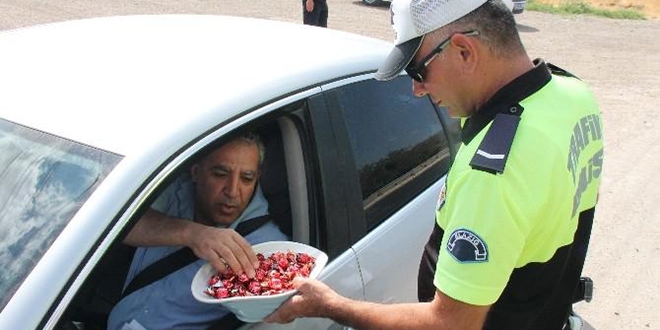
580	8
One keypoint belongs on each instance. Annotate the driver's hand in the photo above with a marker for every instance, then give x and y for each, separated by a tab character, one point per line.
223	249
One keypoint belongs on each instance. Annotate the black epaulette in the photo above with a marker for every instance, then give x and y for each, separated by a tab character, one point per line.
494	149
559	71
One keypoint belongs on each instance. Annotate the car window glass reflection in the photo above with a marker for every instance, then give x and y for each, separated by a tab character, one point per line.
394	137
45	181
391	131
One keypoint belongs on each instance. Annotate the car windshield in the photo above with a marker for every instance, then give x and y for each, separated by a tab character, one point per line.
44	180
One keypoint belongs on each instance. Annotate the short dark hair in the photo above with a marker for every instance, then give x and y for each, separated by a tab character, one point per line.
496	25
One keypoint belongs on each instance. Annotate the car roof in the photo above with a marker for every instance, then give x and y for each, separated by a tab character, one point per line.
128	83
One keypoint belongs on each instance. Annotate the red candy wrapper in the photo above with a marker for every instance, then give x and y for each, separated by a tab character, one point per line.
274	275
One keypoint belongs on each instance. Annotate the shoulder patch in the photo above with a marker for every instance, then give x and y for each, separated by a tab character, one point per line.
466	246
494	149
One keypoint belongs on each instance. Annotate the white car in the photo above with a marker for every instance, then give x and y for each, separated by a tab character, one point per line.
97	116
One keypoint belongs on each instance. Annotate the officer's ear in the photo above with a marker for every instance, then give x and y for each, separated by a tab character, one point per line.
468	51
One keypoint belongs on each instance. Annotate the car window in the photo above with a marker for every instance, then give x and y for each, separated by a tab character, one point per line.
45	180
398	143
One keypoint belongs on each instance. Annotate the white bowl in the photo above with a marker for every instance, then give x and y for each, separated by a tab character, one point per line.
256	308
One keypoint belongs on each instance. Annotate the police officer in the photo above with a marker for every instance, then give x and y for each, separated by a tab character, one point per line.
514	218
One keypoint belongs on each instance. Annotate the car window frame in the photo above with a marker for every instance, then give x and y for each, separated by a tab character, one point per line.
359	224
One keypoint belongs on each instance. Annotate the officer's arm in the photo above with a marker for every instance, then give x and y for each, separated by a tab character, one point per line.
440	314
315	299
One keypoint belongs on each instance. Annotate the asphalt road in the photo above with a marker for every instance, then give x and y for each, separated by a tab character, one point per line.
619	59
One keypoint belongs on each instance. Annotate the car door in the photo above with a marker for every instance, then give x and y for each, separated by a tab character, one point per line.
325	191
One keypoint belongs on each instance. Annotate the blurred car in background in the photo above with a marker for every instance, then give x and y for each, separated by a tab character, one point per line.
375	2
516	6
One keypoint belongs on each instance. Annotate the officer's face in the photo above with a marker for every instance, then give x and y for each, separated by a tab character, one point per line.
445	80
225	181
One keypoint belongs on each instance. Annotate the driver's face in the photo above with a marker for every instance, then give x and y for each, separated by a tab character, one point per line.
225	181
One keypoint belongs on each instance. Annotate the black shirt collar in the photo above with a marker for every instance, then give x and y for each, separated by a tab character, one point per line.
510	95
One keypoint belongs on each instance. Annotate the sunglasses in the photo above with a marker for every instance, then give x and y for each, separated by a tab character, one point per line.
417	71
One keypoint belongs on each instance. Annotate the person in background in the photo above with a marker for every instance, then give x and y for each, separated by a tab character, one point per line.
315	12
514	217
199	210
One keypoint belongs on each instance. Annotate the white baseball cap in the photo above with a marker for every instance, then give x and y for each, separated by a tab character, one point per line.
411	20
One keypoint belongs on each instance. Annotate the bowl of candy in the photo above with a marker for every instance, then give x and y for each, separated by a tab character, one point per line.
252	300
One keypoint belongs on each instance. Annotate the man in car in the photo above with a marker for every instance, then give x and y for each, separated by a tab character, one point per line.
220	192
514	217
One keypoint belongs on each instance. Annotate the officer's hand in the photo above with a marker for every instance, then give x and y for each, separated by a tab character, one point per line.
223	249
310	301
